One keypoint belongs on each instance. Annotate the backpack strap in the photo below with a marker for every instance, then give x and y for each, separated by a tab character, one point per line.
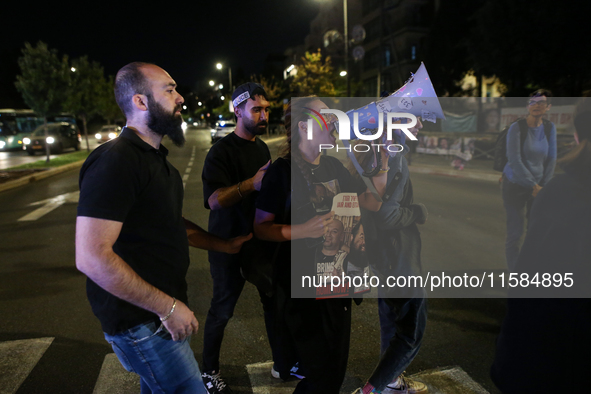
547	128
523	130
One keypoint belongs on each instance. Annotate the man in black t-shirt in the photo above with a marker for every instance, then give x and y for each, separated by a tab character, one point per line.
132	240
232	176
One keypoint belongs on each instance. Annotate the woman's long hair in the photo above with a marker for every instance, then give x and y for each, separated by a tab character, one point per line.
294	114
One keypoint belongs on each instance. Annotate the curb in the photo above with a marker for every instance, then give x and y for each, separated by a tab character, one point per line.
432	170
40	175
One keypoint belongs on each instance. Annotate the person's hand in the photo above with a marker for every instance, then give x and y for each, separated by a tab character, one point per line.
423	213
257	179
536	190
318	225
182	322
233	245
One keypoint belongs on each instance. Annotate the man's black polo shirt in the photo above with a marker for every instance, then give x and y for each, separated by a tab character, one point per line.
127	180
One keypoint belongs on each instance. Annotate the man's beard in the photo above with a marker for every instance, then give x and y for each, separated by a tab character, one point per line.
253	128
164	123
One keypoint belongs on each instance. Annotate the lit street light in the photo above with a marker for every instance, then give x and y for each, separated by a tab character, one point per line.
219	66
343	73
346	36
211	83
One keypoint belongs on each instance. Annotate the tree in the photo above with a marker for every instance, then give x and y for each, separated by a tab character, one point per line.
85	89
314	76
272	88
531	45
107	106
43	81
446	47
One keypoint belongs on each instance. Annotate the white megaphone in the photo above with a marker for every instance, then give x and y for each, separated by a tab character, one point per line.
417	96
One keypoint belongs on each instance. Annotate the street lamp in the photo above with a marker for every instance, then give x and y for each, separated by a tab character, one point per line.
346	39
211	83
219	66
346	31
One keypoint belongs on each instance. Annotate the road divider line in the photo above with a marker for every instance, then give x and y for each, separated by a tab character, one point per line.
262	382
449	380
17	360
114	379
49	205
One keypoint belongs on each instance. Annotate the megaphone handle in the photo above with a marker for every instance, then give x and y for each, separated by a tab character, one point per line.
360	170
377	168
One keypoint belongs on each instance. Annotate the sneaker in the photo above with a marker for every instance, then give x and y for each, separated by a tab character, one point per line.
406	386
214	383
274	373
294	371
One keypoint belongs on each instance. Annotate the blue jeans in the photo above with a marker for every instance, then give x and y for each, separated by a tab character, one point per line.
402	325
517	200
164	366
227	287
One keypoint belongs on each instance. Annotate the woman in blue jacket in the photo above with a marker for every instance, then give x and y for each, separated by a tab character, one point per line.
528	169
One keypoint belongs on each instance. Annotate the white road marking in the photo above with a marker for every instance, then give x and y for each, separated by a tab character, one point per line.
263	383
449	380
17	360
445	380
49	205
114	379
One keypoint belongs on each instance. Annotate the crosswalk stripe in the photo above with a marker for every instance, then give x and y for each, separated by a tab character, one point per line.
445	380
17	360
114	379
263	383
449	380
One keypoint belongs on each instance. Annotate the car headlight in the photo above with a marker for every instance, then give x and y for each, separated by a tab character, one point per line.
112	135
2	144
26	141
50	140
97	136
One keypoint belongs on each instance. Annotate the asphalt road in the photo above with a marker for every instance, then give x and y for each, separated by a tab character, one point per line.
43	295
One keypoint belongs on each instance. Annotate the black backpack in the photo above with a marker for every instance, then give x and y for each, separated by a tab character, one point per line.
500	159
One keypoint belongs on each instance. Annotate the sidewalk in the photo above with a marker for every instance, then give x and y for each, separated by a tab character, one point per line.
441	165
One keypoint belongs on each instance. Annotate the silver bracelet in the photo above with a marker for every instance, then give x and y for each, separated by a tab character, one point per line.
163	319
241	196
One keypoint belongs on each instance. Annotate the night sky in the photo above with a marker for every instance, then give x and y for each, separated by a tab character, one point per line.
185	38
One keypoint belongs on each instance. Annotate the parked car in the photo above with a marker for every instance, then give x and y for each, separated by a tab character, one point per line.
107	133
222	129
60	136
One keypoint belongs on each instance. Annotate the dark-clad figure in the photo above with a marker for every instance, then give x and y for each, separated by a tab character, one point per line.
132	241
232	175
